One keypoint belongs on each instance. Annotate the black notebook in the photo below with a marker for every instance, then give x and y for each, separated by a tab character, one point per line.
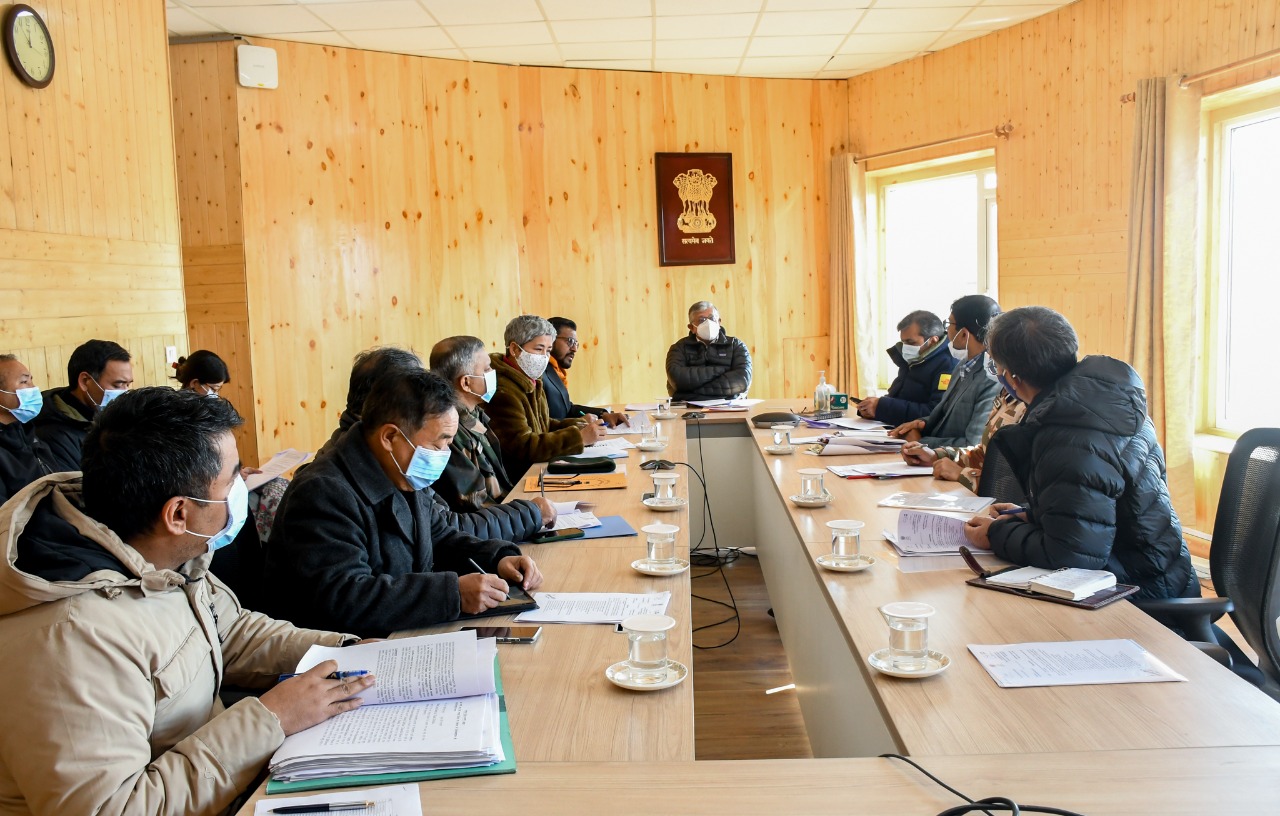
517	601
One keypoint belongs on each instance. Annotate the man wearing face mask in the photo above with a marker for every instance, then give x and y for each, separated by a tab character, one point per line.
556	378
23	457
518	410
707	363
924	372
961	416
475	478
360	544
123	637
97	372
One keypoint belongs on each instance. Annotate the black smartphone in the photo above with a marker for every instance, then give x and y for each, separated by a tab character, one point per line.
507	634
557	535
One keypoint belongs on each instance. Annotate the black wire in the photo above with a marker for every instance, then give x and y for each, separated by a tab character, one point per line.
1000	804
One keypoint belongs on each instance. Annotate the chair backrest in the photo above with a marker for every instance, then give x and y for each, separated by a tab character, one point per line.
1246	543
998	479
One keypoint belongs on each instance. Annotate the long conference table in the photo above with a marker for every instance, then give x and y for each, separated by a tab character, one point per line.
1211	744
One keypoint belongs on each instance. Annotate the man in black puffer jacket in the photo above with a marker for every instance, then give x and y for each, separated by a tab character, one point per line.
1087	457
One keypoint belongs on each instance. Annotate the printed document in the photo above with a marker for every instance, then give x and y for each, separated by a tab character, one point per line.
454	664
593	607
281	463
928	534
1072	663
946	502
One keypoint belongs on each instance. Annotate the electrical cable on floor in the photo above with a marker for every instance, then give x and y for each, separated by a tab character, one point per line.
996	804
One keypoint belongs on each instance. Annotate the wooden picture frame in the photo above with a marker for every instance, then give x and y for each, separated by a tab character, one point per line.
695	208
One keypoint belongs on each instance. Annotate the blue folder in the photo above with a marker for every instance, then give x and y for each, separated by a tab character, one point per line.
610	527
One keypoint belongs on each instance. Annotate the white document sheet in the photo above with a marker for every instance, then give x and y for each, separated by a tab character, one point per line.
454	664
582	521
857	423
929	533
642	406
279	464
593	607
945	502
724	403
831	449
1072	663
892	469
390	800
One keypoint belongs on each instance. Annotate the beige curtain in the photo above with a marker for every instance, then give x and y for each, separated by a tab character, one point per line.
852	285
1162	269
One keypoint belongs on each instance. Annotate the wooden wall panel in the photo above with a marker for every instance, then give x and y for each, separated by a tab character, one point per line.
89	243
394	199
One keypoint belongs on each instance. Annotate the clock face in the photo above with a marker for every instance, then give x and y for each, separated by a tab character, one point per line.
29	45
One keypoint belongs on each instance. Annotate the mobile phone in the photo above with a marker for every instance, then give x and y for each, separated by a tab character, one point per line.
557	535
507	634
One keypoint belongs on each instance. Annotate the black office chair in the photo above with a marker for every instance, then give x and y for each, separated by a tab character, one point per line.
1243	563
998	479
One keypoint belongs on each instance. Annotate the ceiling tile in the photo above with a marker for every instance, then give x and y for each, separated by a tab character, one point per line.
1015	3
632	28
594	10
209	3
696	27
754	65
379	14
764	73
906	4
674	8
864	62
401	40
992	17
466	12
887	43
637	49
315	38
615	65
264	19
444	53
697	66
898	21
820	5
733	47
500	34
807	22
518	54
792	46
956	37
185	24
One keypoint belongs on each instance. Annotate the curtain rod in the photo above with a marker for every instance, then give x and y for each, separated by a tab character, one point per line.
1000	132
1202	76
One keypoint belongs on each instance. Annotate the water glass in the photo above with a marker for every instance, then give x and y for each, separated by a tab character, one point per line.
908	634
647	647
782	436
661	541
664	486
664	405
811	486
846	540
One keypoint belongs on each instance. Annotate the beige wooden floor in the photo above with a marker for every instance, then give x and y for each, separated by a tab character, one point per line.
733	717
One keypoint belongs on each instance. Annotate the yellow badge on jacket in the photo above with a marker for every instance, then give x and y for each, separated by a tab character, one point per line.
943	382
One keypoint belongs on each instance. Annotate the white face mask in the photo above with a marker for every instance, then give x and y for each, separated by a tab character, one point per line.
910	353
532	364
961	353
708	330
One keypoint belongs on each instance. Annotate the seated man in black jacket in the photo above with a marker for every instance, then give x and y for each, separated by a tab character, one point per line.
556	378
924	372
359	541
23	457
1086	455
98	371
707	364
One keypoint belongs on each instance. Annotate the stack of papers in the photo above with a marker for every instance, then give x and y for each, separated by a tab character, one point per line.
594	607
882	469
942	502
434	706
927	534
1072	663
859	445
581	520
612	448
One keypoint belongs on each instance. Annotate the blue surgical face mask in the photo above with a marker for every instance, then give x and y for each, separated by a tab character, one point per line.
490	384
426	465
237	511
108	394
30	401
1000	378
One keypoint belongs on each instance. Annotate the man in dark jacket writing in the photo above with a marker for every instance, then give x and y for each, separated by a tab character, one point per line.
359	540
1087	457
707	363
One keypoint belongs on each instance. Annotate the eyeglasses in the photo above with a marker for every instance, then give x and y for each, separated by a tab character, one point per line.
571	342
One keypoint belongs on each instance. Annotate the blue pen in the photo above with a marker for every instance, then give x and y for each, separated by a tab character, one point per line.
1012	511
338	675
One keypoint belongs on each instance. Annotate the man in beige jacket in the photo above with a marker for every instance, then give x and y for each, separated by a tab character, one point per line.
116	638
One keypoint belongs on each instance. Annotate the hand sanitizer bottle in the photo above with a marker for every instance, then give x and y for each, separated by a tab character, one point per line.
822	393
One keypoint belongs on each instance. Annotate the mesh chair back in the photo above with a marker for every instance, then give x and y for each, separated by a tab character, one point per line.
998	479
1246	543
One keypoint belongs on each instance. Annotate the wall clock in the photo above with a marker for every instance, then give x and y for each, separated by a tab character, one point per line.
28	46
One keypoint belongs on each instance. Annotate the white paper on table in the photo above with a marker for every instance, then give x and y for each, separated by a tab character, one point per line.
856	423
832	449
592	453
282	462
593	607
946	502
929	533
1072	663
880	437
805	440
610	444
454	664
642	406
565	507
582	521
634	428
711	403
937	562
390	800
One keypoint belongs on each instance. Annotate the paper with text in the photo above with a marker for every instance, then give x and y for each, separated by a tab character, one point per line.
946	502
454	664
593	607
1072	663
929	533
281	463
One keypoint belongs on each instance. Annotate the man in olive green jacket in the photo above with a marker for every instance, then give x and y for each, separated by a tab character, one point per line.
117	638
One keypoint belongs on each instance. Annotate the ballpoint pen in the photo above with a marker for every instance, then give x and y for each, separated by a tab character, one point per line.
329	807
338	675
478	567
1010	511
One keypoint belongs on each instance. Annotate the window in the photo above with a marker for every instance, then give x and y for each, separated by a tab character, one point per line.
937	240
1243	265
